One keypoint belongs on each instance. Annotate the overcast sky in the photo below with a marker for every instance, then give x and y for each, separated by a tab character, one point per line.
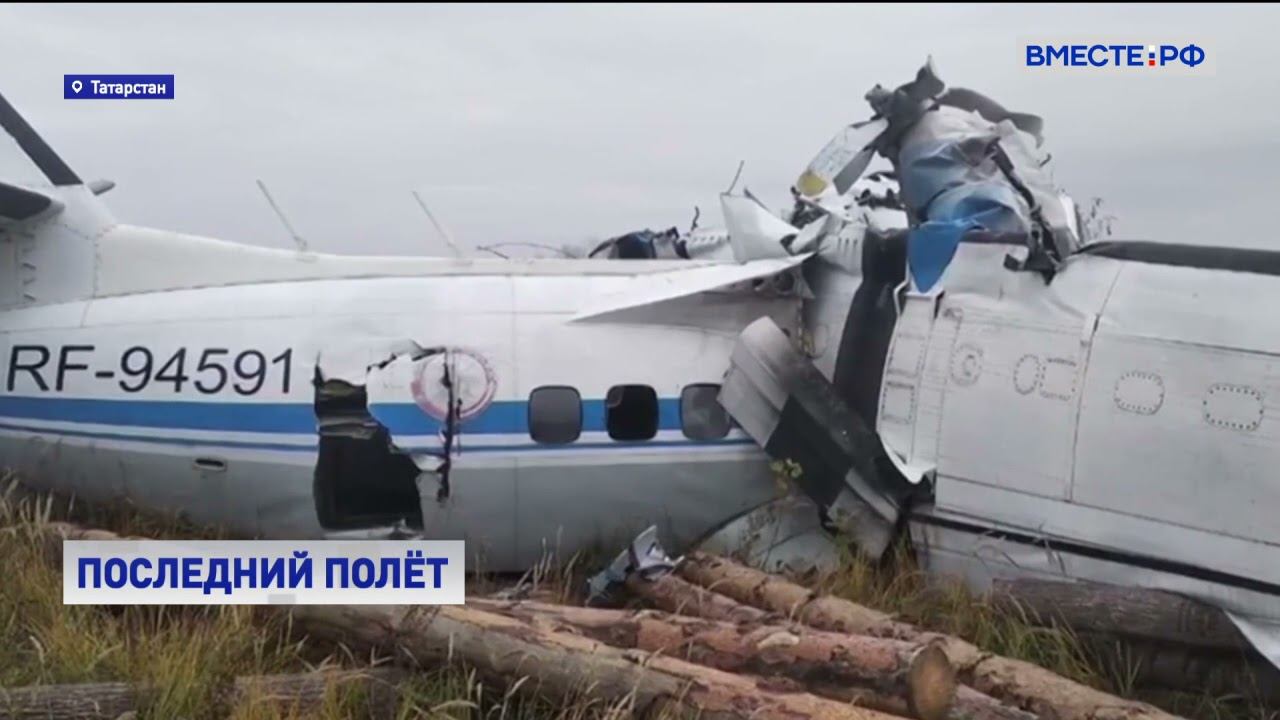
560	124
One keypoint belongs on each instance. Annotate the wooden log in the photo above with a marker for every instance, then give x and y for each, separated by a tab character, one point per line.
775	594
681	597
969	704
52	534
675	594
303	693
1014	682
1216	673
917	673
1122	611
71	531
91	701
504	649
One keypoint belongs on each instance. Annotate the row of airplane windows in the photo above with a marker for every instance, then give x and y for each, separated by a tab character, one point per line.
630	413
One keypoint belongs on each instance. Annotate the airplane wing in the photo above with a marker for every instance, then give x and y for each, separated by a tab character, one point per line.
681	283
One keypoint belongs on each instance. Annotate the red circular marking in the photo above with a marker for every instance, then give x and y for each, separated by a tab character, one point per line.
438	410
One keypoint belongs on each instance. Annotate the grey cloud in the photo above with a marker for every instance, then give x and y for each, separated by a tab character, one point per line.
564	123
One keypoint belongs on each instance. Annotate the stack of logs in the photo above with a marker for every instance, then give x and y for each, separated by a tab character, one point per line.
719	640
727	641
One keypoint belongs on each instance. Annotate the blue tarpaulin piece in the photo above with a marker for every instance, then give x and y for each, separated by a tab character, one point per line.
965	164
926	169
930	248
960	189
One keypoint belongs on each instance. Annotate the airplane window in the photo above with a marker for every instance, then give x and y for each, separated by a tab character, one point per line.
702	417
631	412
555	414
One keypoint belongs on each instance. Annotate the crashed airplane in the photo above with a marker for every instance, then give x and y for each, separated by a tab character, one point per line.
936	349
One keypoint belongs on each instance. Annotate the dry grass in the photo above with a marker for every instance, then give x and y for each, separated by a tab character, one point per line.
898	585
186	653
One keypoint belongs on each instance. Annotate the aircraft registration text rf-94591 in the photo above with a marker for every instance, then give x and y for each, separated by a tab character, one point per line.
207	371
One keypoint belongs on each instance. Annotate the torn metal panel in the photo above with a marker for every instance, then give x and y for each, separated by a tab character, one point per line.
644	556
642	245
968	165
448	386
708	244
351	363
754	232
363	482
784	535
788	407
809	235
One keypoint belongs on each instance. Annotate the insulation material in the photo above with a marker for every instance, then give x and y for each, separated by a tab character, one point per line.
966	164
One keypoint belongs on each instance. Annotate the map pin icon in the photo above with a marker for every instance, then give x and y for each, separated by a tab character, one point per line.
76	86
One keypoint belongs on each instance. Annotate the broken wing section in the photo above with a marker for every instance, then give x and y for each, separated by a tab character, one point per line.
787	406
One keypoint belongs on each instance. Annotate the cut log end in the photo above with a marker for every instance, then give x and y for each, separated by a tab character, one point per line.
931	683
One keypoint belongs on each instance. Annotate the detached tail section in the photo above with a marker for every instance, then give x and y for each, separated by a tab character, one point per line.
47	234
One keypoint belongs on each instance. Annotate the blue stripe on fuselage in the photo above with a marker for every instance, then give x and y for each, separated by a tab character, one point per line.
282	417
311	447
508	417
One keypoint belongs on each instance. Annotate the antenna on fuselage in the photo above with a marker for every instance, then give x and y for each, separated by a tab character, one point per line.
297	239
736	176
448	239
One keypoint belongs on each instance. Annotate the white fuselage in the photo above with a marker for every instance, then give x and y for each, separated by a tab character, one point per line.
204	401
